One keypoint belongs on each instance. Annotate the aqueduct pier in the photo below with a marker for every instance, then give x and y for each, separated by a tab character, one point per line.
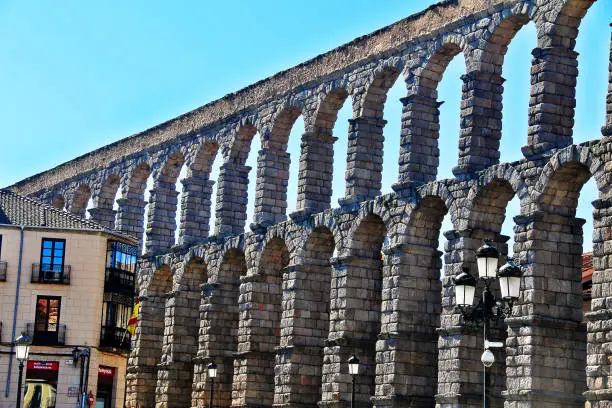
282	307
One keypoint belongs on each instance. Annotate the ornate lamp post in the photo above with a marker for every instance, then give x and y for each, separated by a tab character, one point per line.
22	350
489	308
353	364
212	374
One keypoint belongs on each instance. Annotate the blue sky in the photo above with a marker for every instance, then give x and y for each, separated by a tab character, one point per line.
78	75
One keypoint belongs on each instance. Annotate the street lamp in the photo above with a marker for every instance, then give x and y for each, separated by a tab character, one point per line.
353	364
212	373
489	308
22	350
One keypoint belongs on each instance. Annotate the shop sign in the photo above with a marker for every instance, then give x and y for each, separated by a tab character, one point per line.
73	391
106	371
43	365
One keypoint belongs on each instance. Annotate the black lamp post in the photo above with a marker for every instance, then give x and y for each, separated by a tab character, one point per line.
212	374
77	354
22	350
353	364
489	308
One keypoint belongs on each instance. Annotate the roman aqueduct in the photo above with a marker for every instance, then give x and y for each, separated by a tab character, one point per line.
282	307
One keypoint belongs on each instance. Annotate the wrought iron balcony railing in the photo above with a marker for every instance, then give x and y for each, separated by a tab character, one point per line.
115	337
45	274
119	281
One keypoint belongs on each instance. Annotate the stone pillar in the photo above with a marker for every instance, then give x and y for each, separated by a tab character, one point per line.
553	98
481	122
161	221
142	364
304	329
195	210
599	317
175	370
271	194
406	350
354	327
258	336
364	159
130	217
217	342
103	216
232	199
606	130
316	172
419	150
546	345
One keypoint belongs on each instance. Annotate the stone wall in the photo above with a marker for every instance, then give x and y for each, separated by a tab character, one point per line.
281	308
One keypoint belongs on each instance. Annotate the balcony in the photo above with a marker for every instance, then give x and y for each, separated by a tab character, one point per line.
47	338
119	281
3	266
115	337
43	274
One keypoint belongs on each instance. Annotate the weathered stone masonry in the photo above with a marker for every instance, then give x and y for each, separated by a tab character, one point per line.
281	308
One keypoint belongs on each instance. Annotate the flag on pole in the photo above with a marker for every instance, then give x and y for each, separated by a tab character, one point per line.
131	328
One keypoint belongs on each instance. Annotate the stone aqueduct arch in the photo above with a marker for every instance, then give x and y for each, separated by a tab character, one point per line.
281	308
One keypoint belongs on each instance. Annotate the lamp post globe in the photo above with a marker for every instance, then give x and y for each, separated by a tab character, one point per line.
212	374
22	347
465	287
487	257
353	363
22	351
509	277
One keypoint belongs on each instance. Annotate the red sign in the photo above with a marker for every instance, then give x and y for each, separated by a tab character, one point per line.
43	365
106	371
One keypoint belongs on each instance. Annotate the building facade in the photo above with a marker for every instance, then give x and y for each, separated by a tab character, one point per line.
68	284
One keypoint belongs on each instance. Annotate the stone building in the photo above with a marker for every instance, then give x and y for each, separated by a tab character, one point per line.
68	283
282	307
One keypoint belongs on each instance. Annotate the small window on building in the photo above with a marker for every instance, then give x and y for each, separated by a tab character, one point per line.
47	321
52	255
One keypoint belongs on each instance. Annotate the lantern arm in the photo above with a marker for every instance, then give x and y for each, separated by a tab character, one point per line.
489	306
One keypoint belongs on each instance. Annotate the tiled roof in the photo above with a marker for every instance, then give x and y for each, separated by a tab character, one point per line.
19	210
587	267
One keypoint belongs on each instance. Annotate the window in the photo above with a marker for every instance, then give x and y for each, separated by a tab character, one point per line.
52	255
46	323
121	256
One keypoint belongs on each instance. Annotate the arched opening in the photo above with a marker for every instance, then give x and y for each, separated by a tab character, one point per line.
259	330
161	219
318	152
486	221
237	184
80	199
103	208
132	201
411	304
197	191
593	47
392	133
150	335
366	141
509	48
363	303
444	89
305	322
147	187
273	170
551	259
219	319
58	202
